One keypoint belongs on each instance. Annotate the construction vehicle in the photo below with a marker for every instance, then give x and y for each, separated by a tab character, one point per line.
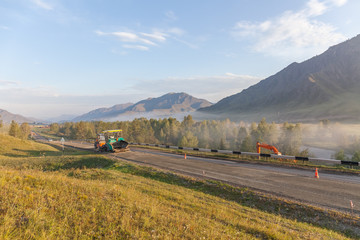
110	141
267	146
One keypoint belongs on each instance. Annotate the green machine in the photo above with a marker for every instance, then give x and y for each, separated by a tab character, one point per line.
111	141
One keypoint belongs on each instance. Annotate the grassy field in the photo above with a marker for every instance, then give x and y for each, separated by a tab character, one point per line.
15	147
79	196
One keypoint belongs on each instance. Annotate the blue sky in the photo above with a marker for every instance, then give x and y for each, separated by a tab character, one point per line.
72	56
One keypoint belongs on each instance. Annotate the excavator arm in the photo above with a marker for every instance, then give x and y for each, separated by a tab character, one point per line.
267	146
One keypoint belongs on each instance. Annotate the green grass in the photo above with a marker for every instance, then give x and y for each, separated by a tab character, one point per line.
15	147
120	203
18	148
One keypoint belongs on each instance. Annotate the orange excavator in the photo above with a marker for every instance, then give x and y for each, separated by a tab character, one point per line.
264	145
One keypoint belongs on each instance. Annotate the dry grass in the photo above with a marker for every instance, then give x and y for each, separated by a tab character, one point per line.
93	203
87	197
15	147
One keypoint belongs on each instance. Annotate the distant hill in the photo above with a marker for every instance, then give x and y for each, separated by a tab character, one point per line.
171	104
61	118
7	117
326	86
103	113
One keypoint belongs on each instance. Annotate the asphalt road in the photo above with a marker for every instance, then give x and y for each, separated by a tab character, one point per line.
333	191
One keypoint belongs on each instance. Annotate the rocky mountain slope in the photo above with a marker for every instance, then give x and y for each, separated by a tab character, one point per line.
171	104
326	86
7	117
102	113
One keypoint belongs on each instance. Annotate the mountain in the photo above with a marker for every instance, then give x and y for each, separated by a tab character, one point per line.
102	113
169	105
7	117
326	86
61	118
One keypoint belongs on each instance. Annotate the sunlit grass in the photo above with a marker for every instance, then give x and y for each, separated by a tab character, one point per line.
15	147
94	203
92	196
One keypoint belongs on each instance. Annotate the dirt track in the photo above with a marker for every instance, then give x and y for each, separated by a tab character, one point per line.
332	191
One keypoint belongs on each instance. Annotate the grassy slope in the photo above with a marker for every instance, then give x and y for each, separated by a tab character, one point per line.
15	147
112	204
95	197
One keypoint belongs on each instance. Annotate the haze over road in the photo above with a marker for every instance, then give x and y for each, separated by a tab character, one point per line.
332	191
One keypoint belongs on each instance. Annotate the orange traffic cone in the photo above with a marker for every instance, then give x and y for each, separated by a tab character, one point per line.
316	173
185	156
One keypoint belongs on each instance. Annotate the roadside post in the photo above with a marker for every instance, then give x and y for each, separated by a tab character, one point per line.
62	144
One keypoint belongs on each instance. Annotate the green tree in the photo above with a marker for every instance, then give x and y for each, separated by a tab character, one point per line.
340	155
291	139
356	156
25	130
188	140
222	144
80	130
14	129
66	129
203	134
187	123
255	133
54	128
247	145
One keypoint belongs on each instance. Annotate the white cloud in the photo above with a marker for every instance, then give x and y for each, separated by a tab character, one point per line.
42	4
339	2
127	37
293	33
316	8
154	38
158	36
138	47
4	27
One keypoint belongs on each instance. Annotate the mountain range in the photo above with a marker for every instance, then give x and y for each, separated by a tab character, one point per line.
172	104
326	86
7	117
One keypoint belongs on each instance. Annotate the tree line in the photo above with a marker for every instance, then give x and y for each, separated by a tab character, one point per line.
22	131
213	134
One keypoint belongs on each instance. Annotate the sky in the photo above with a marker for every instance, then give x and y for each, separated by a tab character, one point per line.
73	56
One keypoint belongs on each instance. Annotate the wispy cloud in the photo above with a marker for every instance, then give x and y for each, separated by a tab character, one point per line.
43	4
127	37
176	31
293	33
143	40
137	47
339	2
158	36
170	15
4	27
